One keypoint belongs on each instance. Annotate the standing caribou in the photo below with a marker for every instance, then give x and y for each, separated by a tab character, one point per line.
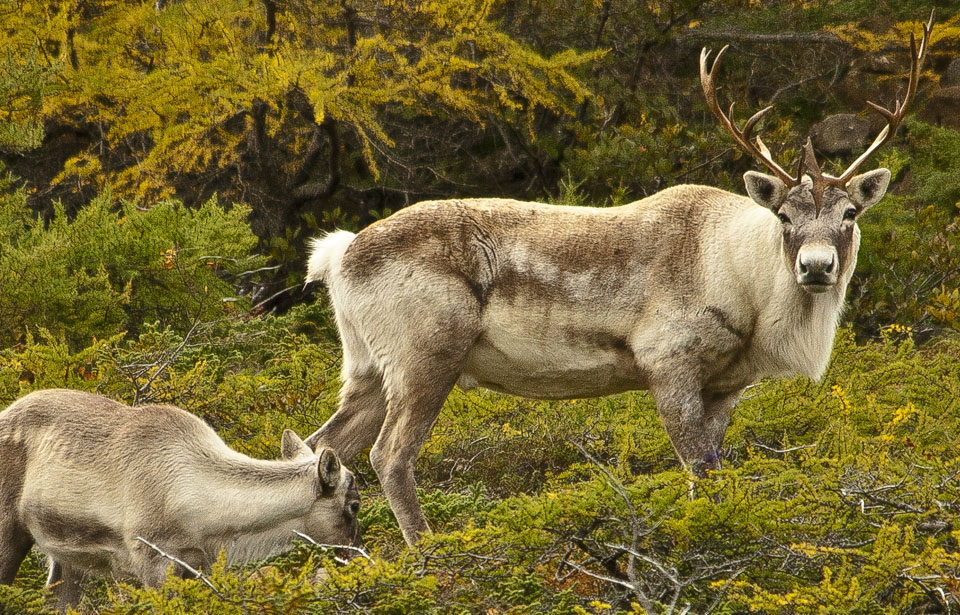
692	293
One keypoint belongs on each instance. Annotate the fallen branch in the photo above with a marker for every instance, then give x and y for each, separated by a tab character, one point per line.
196	573
782	450
697	35
339	560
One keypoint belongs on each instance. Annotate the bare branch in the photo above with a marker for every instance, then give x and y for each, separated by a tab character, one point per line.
162	364
361	552
196	573
697	36
782	450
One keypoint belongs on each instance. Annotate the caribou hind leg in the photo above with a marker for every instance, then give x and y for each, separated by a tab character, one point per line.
363	405
357	422
415	402
421	361
15	540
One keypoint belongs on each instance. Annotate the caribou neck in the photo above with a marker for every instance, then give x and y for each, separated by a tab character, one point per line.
793	329
237	494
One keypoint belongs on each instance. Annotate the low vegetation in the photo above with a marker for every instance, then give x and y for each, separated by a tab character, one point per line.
839	496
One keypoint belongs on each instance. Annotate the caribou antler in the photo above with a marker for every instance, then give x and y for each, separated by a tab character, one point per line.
758	151
917	56
807	160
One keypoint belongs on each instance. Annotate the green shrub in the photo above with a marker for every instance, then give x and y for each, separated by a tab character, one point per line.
113	267
909	261
833	495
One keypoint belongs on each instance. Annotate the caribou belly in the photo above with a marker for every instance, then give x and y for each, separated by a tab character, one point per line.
550	366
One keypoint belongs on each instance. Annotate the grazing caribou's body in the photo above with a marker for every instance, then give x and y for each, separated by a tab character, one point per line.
84	478
692	293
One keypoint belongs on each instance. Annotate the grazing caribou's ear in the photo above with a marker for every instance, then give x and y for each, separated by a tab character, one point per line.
291	446
765	190
866	189
328	469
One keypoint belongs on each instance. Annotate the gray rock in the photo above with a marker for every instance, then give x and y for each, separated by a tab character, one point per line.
943	107
843	133
951	77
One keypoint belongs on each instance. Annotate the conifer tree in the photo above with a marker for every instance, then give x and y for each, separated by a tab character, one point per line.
281	105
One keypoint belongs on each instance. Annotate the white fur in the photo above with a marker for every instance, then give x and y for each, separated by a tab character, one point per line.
326	253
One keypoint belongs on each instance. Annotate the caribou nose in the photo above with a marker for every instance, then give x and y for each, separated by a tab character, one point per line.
817	267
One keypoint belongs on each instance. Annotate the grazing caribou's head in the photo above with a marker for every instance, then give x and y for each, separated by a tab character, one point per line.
332	518
817	212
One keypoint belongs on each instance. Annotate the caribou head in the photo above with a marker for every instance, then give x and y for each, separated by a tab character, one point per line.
817	212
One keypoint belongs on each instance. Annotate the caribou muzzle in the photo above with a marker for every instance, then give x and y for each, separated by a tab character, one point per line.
817	268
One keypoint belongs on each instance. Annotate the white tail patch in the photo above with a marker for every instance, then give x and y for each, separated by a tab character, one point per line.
326	253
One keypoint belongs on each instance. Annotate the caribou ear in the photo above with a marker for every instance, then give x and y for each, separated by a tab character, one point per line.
866	189
291	446
328	469
765	190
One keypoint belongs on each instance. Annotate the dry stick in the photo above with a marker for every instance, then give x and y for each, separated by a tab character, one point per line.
339	560
672	575
642	597
196	573
274	296
703	164
782	450
168	360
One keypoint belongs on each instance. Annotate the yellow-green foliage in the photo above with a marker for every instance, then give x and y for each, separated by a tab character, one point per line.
24	80
174	84
945	36
838	496
835	497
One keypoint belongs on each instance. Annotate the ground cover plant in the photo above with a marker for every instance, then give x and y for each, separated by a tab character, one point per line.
838	496
150	254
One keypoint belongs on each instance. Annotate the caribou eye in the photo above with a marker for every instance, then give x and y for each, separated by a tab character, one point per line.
850	214
783	218
354	508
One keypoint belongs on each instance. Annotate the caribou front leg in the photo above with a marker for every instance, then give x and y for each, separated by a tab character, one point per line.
692	432
717	410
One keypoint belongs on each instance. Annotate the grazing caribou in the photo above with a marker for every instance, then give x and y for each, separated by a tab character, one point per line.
692	293
86	478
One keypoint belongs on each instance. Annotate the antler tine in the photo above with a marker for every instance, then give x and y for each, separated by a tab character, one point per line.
917	56
759	151
748	127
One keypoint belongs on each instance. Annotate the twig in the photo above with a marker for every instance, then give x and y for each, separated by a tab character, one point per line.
163	364
936	595
603	577
723	592
274	296
697	36
782	450
634	585
339	560
196	573
703	164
